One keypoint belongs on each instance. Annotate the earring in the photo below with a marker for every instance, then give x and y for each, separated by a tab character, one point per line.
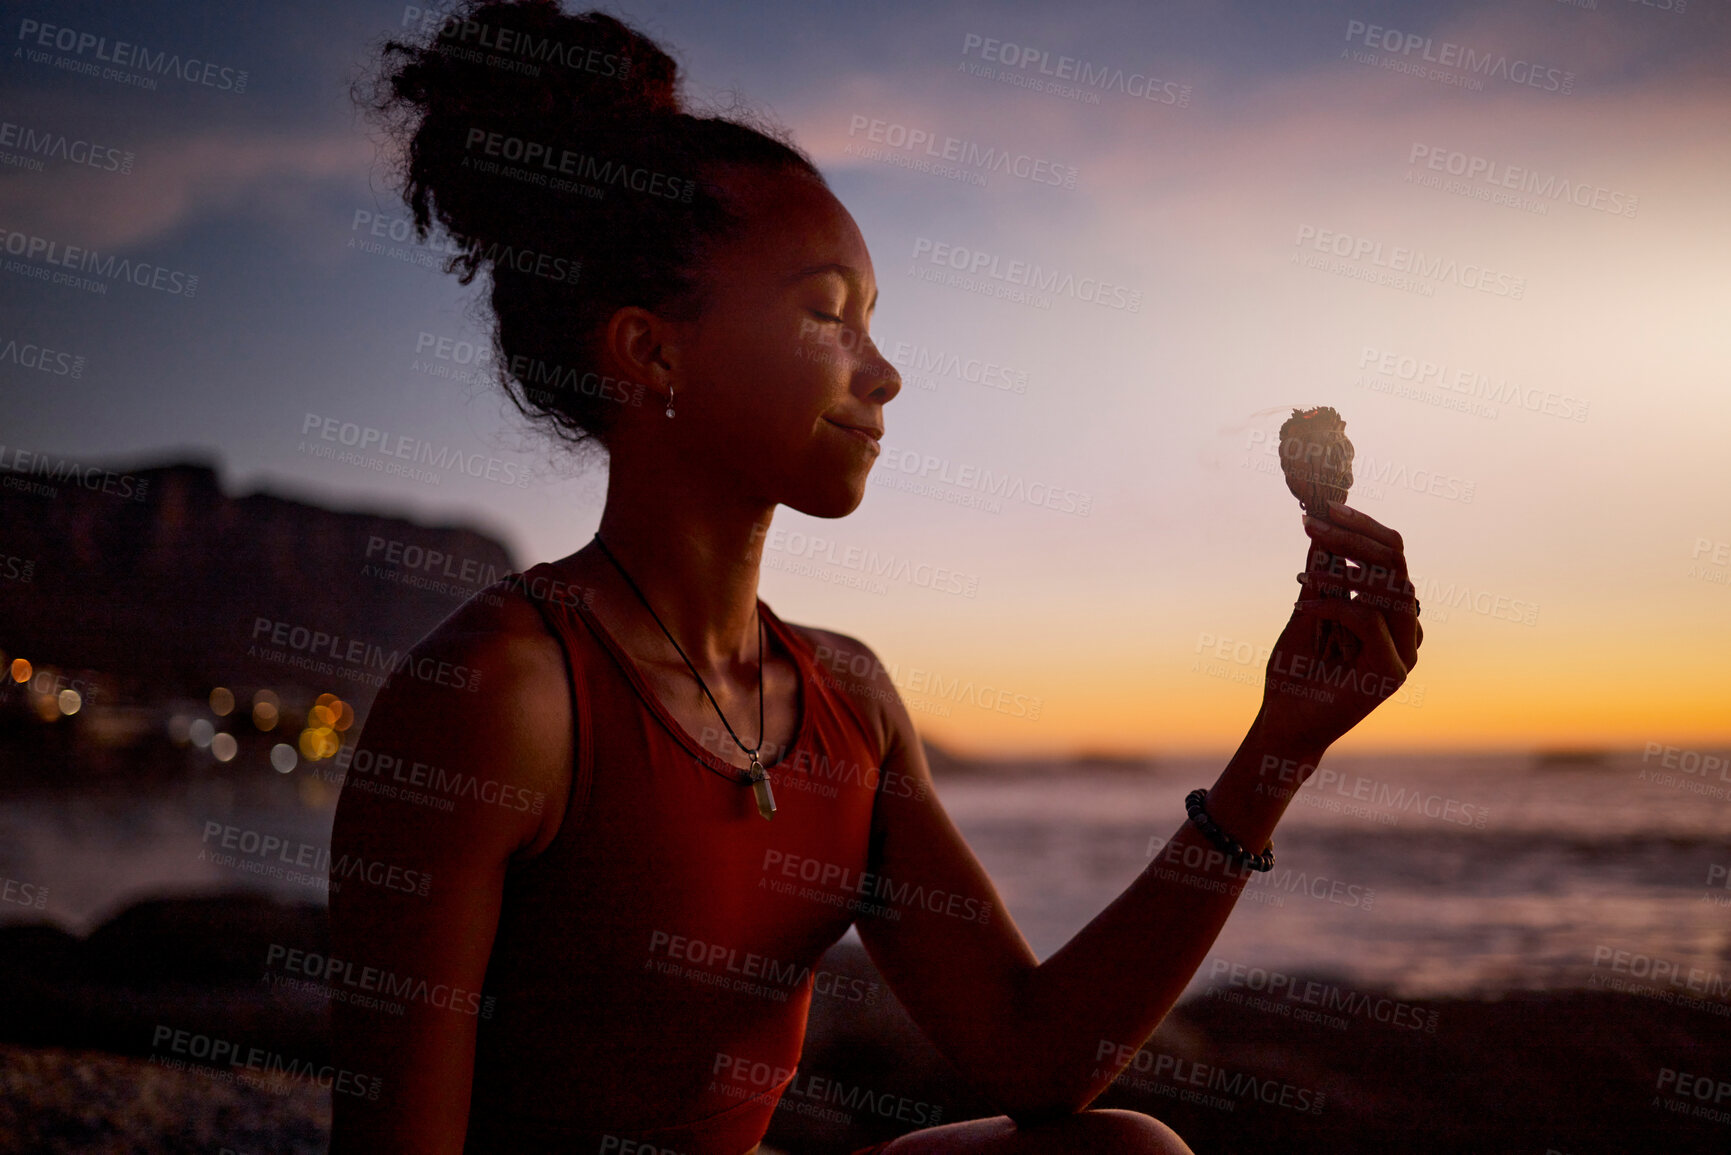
670	401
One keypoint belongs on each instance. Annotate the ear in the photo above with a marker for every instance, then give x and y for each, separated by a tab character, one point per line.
643	348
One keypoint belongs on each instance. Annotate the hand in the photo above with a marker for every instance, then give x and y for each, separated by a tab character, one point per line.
1353	636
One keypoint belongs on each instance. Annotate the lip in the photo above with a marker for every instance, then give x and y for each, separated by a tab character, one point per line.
865	433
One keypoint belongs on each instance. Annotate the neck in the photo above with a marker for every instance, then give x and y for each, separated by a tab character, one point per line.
694	553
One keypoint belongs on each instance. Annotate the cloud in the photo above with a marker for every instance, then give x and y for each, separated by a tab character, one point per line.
176	181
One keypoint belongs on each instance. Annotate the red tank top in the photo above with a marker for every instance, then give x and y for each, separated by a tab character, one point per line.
653	966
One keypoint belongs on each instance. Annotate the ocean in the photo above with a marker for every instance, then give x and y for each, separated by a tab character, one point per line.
1419	876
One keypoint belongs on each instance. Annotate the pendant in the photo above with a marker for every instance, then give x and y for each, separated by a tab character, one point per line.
760	787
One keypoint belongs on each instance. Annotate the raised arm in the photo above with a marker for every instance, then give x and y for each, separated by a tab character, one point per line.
417	878
1044	1039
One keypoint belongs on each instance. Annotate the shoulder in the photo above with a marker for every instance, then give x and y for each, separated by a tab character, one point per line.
852	669
482	701
495	646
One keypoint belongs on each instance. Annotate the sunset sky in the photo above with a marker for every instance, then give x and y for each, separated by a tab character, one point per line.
1552	219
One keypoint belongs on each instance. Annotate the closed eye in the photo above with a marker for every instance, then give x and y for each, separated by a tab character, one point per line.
827	317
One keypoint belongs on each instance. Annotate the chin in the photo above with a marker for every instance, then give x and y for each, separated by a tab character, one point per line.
837	497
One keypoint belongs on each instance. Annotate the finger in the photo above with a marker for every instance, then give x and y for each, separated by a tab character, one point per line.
1320	583
1400	613
1378	580
1374	585
1383	593
1347	517
1327	564
1342	540
1350	543
1407	634
1326	573
1371	626
1348	613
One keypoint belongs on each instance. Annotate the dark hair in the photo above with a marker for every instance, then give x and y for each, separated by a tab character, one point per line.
503	111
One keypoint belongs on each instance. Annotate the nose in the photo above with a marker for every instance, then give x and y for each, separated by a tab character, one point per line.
880	374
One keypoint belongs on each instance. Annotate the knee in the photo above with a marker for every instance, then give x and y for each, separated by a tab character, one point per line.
1115	1130
1132	1131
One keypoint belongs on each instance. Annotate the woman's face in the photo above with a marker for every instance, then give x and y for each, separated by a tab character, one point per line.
780	360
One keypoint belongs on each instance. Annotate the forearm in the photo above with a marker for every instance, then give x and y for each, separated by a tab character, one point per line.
1082	1013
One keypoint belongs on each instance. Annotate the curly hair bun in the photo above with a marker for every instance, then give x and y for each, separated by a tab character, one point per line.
519	87
556	151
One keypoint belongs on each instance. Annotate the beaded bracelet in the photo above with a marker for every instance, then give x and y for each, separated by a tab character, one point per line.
1227	845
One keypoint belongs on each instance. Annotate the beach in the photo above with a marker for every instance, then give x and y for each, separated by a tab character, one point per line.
1493	954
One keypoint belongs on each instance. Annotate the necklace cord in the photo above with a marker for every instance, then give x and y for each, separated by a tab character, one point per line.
751	750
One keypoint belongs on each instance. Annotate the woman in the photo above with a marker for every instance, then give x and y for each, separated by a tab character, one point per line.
584	764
